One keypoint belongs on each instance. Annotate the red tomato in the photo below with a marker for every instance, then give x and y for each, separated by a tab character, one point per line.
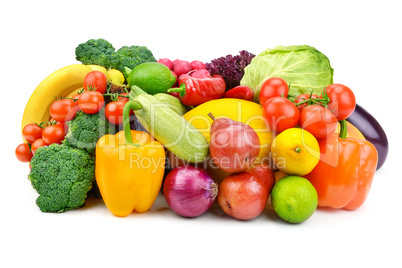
114	112
76	97
96	80
63	110
319	121
37	144
23	152
280	113
123	98
91	102
304	97
342	101
273	87
31	132
53	134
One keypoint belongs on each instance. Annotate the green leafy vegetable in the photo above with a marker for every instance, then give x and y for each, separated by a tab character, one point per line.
305	68
62	176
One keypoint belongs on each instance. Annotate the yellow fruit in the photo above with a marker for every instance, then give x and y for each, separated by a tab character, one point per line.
98	68
115	76
295	151
243	111
59	83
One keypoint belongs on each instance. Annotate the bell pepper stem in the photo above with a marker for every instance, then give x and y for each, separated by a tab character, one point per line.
344	129
130	105
181	89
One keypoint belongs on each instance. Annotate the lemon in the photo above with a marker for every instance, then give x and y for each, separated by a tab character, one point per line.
152	77
294	199
295	151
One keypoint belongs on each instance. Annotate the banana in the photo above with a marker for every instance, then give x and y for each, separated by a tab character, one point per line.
60	83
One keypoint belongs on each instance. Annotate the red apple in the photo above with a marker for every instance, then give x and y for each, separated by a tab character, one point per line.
244	195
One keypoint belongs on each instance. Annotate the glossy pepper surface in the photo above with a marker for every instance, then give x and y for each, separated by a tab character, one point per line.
195	91
345	172
129	175
240	92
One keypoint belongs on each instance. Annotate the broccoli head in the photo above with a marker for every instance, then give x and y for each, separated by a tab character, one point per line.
97	52
131	56
86	129
62	176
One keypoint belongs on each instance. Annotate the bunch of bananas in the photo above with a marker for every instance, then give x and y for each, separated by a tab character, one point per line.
64	82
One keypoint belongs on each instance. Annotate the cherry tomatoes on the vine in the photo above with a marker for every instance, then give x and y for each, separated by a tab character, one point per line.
31	132
273	87
342	100
23	152
304	97
91	102
280	113
114	112
63	110
319	121
53	134
96	80
37	144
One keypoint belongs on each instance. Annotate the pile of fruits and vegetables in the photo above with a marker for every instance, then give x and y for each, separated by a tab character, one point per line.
247	131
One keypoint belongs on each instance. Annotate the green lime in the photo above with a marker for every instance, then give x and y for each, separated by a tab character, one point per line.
152	77
294	199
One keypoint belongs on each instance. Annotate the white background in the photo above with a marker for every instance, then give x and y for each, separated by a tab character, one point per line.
362	41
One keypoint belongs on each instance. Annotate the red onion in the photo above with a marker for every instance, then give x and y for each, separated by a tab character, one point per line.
189	191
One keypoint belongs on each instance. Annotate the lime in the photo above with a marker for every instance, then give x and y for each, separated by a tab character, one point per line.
152	77
294	199
295	151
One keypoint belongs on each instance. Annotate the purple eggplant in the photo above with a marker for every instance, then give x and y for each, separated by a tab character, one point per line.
372	131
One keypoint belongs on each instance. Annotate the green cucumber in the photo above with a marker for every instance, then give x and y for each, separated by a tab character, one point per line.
173	103
166	126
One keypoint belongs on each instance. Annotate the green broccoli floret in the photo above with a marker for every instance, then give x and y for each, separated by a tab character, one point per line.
98	52
131	56
86	129
62	176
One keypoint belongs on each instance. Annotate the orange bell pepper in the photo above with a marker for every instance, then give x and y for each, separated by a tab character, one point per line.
129	175
345	172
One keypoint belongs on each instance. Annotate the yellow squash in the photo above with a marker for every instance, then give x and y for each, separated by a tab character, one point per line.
244	111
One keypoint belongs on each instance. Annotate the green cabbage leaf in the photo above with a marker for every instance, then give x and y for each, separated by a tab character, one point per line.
303	67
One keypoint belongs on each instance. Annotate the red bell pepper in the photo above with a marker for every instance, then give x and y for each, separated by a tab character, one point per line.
345	172
195	91
240	92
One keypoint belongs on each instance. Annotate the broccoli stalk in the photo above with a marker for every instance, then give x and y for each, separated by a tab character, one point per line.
62	176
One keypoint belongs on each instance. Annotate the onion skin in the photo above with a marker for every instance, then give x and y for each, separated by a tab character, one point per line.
189	191
372	131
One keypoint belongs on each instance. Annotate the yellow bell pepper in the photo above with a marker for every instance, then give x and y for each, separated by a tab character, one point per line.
129	175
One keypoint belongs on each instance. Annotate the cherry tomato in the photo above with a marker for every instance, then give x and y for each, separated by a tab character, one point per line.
37	144
273	87
31	132
280	113
91	102
342	101
319	121
23	152
114	112
75	97
123	98
63	110
53	134
96	80
304	97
